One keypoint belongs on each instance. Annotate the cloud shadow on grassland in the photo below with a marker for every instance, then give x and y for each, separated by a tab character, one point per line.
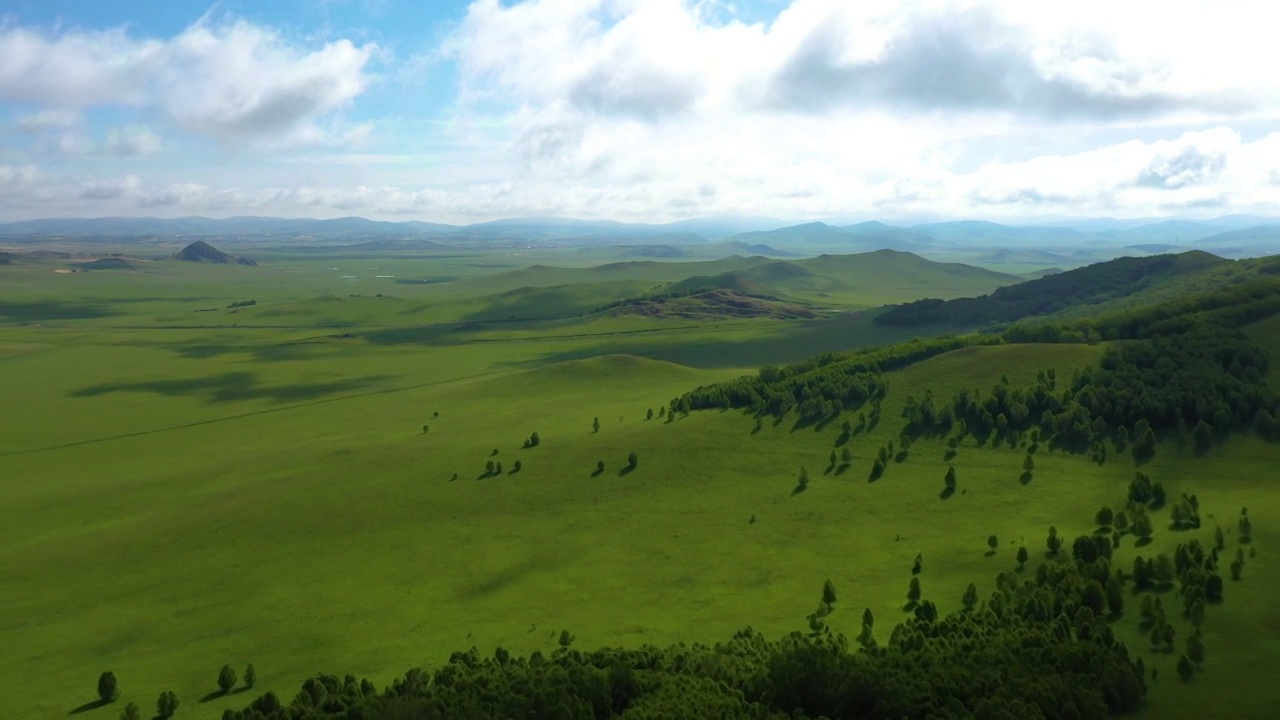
777	343
233	386
37	310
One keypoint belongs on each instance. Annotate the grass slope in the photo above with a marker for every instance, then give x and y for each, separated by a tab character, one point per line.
196	496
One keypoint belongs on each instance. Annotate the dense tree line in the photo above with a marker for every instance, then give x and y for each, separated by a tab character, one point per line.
1229	307
1036	648
1206	378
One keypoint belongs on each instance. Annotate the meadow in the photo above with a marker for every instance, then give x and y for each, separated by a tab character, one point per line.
301	483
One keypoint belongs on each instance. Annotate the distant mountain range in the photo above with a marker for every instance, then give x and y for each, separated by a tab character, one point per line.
1230	236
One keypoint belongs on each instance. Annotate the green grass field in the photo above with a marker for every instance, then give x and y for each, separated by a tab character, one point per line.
185	489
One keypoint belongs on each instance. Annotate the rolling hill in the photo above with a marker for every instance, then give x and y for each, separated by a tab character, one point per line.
864	278
1103	286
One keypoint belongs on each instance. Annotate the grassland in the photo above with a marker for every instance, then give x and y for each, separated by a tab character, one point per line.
185	487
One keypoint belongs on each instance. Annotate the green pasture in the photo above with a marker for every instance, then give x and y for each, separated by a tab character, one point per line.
185	489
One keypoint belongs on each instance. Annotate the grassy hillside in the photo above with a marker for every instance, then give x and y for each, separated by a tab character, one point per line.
179	495
863	279
1086	290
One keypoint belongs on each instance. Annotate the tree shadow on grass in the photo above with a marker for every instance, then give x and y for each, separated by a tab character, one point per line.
901	457
946	493
627	470
842	469
875	475
214	696
910	606
1142	542
597	472
92	705
1025	478
989	553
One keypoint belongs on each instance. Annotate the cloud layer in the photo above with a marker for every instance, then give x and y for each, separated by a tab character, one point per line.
236	83
659	109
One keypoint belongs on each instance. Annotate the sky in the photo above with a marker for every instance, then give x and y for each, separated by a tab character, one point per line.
638	110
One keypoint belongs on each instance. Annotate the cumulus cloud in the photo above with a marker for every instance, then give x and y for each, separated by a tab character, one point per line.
235	82
658	109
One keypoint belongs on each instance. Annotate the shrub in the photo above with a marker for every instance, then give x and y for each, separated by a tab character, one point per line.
250	676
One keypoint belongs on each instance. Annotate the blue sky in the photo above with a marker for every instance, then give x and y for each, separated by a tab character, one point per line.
637	109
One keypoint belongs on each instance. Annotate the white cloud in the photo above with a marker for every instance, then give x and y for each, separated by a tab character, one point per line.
657	109
131	140
1193	174
235	82
46	120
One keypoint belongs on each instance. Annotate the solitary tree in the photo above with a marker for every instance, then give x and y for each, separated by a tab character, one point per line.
1022	557
516	466
649	415
1104	517
632	459
565	638
1195	648
877	468
226	679
950	478
489	467
918	564
970	596
1219	540
846	455
534	439
595	425
108	688
1028	463
167	704
1245	529
599	466
993	542
1142	526
1185	671
1203	436
1053	542
131	712
833	458
1115	596
425	429
913	591
828	593
497	468
250	676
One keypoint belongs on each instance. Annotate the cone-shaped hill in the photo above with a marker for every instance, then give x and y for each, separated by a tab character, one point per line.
201	251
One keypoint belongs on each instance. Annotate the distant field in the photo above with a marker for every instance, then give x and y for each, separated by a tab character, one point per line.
185	489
